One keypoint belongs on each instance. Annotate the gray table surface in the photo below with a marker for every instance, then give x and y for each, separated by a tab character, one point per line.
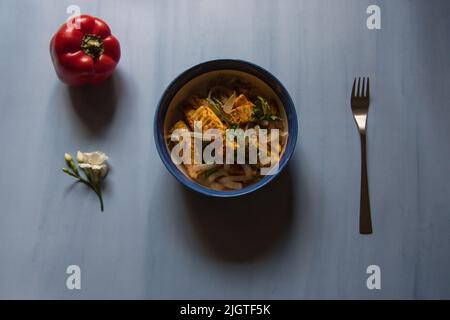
296	239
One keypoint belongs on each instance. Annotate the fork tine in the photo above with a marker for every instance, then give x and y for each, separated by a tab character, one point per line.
354	87
368	88
358	93
363	88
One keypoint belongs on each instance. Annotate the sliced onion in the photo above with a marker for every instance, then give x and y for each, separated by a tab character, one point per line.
248	171
284	136
203	167
239	178
217	186
226	182
228	105
213	176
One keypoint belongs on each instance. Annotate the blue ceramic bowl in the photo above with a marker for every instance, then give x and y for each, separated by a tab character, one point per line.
179	89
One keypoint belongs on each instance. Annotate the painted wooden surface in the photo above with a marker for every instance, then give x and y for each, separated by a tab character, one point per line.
298	238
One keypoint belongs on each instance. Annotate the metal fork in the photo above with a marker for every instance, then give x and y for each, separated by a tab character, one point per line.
360	102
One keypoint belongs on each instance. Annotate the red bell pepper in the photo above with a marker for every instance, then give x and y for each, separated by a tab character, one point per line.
88	54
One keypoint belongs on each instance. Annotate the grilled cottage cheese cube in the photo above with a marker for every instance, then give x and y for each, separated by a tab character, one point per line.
208	118
242	110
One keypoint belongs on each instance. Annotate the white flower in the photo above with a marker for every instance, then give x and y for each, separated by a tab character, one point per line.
94	167
94	163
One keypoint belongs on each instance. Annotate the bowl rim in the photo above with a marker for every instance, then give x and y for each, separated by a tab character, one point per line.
217	65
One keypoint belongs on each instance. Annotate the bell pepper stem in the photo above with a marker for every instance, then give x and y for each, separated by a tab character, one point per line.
92	46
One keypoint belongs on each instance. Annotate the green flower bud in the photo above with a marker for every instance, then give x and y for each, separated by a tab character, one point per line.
71	163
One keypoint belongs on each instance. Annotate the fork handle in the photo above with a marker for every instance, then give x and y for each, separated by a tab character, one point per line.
365	221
